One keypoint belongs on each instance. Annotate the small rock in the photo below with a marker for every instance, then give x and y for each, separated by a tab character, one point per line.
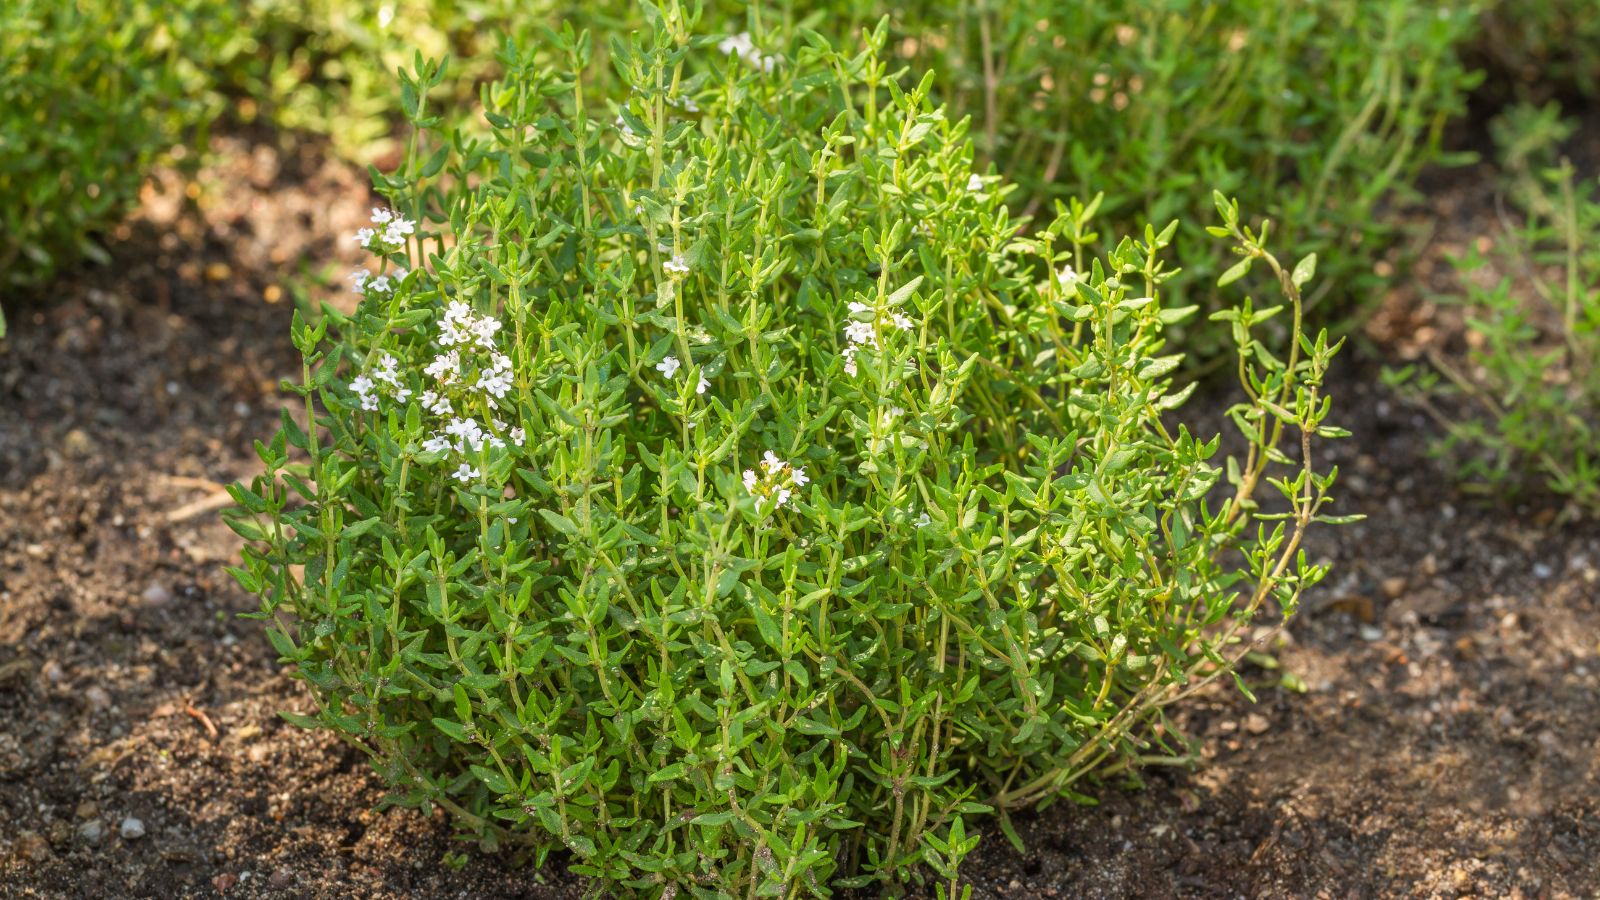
1256	723
156	596
99	700
224	881
132	829
52	672
76	443
92	831
1542	571
88	809
1370	633
281	877
1394	586
32	847
1356	606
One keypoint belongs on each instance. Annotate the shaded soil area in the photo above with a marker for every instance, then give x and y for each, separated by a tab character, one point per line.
1445	745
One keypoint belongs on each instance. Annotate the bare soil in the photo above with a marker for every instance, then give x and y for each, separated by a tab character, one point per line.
1446	744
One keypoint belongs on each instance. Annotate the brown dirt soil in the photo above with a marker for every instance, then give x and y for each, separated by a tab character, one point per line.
1445	747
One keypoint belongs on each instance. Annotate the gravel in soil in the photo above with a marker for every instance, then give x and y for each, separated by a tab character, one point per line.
1445	744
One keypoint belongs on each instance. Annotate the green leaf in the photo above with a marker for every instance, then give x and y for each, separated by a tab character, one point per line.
1235	272
560	522
1304	270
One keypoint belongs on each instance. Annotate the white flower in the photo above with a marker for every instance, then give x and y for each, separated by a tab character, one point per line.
365	282
741	46
437	404
850	360
387	371
438	443
467	433
923	521
900	321
676	265
518	436
364	387
496	380
392	237
701	387
1067	277
483	329
861	333
777	482
444	367
668	367
467	473
736	44
974	183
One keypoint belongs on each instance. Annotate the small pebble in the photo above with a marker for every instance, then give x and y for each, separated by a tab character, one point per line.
281	877
92	831
1256	723
1371	633
99	700
1542	571
52	672
31	847
132	829
156	596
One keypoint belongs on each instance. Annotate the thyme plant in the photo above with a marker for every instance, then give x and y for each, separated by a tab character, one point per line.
1523	405
90	95
1319	114
717	483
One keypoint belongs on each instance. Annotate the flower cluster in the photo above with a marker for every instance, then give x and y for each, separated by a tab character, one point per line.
468	368
864	330
742	46
387	374
364	282
669	367
390	233
776	482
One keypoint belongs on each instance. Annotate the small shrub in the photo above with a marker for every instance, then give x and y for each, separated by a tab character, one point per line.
1540	48
1525	401
715	482
90	95
327	67
1318	114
